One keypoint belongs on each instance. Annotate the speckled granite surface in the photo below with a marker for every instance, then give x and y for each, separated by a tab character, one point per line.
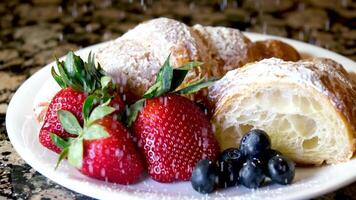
32	32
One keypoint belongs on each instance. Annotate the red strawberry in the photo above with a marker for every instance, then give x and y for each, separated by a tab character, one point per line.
102	148
114	158
66	99
72	101
77	82
174	134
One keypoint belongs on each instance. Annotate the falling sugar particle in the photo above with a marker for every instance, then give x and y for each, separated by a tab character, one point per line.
102	172
74	10
107	151
60	9
90	168
119	153
223	5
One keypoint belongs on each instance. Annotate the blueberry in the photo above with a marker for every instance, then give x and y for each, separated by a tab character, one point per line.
281	170
229	164
204	176
232	154
251	174
264	157
255	142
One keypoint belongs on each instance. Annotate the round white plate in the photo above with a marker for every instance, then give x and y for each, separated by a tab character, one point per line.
23	133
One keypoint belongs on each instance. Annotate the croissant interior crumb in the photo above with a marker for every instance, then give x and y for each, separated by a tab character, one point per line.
293	119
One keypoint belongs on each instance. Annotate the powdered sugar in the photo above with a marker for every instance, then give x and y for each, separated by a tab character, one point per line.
162	36
227	44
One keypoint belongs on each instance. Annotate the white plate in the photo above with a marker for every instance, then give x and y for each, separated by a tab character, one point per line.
23	133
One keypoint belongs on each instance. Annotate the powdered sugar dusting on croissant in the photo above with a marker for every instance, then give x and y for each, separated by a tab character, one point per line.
130	64
164	36
226	44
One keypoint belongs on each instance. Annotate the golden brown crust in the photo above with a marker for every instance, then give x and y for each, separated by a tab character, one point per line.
272	48
341	90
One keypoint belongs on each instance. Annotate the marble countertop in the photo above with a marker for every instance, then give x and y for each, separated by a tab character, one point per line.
32	33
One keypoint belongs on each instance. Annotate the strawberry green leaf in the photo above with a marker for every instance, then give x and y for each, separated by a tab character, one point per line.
133	111
69	122
62	156
67	79
74	65
75	153
178	77
57	78
190	65
94	132
95	73
163	81
105	81
196	86
100	112
58	141
61	72
77	74
151	92
88	106
180	73
106	101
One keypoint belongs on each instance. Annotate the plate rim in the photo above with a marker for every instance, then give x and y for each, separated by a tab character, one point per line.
10	115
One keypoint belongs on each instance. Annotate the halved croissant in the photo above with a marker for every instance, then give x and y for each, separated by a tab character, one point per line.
307	107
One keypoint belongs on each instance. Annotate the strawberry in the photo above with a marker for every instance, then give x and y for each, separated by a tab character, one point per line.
78	79
174	135
102	149
66	99
115	158
173	132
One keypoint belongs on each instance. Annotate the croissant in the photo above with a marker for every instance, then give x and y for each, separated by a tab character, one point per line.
134	59
307	107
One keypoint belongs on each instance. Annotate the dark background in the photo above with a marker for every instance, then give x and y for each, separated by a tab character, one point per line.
33	32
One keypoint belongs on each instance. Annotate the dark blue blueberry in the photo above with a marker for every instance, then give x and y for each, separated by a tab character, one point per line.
264	157
281	170
251	174
255	142
231	154
204	176
229	164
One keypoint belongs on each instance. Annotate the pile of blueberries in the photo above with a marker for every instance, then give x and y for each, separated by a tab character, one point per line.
253	165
